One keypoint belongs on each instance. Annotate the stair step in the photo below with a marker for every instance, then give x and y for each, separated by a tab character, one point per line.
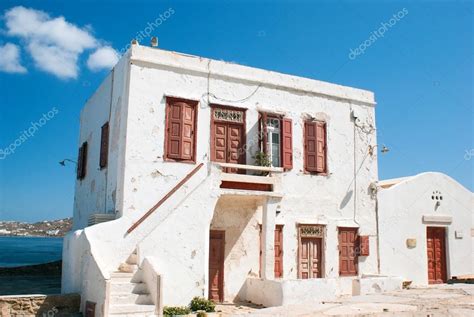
130	298
128	268
125	277
131	309
132	259
127	287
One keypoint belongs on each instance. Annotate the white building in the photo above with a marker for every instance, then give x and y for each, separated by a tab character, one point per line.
168	146
425	228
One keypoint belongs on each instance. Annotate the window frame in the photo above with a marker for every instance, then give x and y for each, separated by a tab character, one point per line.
81	170
195	105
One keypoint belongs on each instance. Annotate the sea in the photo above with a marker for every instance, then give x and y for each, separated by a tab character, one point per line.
21	251
24	251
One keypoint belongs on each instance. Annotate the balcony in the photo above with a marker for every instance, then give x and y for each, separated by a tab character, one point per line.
250	178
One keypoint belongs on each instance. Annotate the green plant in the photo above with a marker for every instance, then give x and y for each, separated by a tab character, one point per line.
262	159
176	311
201	314
199	303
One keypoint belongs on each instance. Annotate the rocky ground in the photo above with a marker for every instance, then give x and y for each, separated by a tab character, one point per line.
433	301
48	228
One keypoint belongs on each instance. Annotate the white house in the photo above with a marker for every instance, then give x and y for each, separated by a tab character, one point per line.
171	149
425	228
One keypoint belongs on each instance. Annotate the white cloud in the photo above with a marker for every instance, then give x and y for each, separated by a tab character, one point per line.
10	59
54	43
53	59
103	58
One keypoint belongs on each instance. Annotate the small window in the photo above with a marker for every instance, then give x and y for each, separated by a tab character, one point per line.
180	136
82	161
276	140
315	147
104	145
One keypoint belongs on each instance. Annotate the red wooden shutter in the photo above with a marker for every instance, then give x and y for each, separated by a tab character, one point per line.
287	144
174	130
187	140
310	146
262	130
104	145
320	147
82	161
364	245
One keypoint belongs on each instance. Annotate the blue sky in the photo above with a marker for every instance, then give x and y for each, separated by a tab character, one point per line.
421	71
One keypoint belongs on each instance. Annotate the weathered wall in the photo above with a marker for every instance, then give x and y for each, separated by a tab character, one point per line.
178	235
401	210
39	305
98	191
341	198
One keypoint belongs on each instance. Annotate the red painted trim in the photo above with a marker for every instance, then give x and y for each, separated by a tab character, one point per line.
162	200
246	186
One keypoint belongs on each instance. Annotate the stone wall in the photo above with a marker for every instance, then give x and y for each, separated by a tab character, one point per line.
40	305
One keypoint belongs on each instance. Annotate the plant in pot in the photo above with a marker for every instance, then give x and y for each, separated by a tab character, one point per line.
262	159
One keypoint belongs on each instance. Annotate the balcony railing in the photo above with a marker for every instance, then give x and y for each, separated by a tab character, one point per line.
264	178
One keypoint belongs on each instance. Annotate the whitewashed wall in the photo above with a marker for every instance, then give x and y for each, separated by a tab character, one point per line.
401	210
178	234
98	191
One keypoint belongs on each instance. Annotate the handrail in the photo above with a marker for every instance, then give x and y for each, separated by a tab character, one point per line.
162	200
251	167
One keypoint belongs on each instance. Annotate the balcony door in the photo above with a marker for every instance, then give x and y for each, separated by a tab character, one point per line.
228	136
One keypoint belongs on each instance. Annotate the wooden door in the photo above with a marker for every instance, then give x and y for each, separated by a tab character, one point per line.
436	248
310	258
228	139
216	266
348	257
278	247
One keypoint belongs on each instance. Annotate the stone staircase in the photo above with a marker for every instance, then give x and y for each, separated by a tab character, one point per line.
129	295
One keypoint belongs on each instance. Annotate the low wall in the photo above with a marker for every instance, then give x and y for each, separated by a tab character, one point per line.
287	292
271	293
40	305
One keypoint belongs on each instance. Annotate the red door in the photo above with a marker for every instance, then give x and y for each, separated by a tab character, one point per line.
279	251
278	247
227	141
310	258
348	258
216	266
435	244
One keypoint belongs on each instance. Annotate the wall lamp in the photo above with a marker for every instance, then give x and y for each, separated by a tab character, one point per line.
383	150
63	162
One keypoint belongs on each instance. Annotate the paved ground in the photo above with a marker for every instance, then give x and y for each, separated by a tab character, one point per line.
433	301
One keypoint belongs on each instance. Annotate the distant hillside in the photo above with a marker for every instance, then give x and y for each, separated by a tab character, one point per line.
47	228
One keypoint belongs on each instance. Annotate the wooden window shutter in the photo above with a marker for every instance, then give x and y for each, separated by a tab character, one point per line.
310	155
364	245
104	146
320	147
180	130
187	125
262	130
287	144
82	161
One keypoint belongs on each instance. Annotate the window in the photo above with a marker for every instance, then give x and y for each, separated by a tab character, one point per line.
276	140
104	146
180	137
315	146
82	161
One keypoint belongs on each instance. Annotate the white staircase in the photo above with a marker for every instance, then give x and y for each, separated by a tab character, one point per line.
129	296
